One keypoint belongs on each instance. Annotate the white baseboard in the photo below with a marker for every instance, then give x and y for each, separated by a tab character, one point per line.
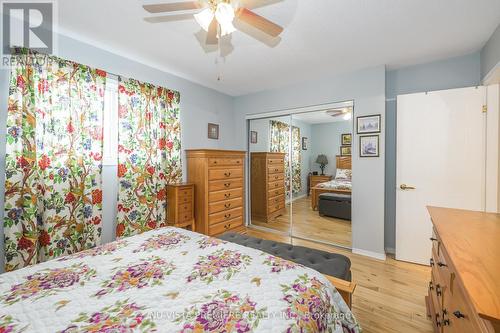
376	255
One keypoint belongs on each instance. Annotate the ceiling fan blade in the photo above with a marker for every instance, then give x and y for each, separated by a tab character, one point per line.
259	22
171	7
212	32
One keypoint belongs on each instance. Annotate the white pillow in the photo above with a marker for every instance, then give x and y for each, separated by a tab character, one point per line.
344	174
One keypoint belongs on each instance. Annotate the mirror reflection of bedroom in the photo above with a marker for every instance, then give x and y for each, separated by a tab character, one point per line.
300	174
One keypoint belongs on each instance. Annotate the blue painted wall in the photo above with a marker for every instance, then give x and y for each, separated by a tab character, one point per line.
490	54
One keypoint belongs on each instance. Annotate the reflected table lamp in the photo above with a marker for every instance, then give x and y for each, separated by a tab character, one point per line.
322	160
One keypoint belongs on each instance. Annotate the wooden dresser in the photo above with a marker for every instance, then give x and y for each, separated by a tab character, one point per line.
267	185
464	291
180	205
317	179
219	178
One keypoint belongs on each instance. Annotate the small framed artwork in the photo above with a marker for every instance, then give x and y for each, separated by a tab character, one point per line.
346	139
369	146
253	137
345	151
368	124
305	143
213	131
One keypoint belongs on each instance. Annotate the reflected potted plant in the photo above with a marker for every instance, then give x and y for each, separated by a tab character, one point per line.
322	160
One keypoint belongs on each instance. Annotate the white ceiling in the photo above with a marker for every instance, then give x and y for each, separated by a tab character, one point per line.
321	37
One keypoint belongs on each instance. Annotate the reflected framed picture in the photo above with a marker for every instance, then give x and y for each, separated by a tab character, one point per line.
305	143
345	150
253	137
369	146
368	124
213	131
346	139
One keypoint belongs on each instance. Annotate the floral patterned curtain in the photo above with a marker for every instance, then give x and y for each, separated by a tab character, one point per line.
53	159
149	154
280	143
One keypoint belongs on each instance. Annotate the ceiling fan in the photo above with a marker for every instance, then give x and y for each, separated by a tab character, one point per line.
345	113
216	17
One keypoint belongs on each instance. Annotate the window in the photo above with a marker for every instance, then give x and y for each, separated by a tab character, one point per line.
110	122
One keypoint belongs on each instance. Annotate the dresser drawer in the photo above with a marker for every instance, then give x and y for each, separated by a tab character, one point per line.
461	318
225	215
185	216
276	185
275	177
213	162
184	207
224	205
225	226
276	161
276	169
219	185
225	195
214	174
276	200
185	199
275	207
277	191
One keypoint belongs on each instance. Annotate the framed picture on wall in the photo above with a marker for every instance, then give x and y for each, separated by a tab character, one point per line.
346	139
305	143
345	151
368	124
253	137
213	131
369	146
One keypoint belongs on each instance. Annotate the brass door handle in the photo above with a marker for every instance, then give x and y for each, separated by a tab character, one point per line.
405	187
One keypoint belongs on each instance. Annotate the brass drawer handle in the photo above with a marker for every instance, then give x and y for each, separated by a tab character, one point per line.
227	195
431	287
227	226
227	174
276	170
458	314
431	262
227	216
227	184
433	239
440	264
276	185
227	205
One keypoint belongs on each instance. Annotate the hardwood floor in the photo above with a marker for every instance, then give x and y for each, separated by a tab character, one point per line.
390	294
308	224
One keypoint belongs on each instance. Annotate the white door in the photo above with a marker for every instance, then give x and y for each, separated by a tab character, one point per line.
441	153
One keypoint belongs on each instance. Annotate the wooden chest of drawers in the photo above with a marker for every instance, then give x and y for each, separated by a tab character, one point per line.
218	176
317	179
180	205
267	185
464	292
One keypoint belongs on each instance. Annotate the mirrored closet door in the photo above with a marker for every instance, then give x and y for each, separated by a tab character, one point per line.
270	174
321	175
300	174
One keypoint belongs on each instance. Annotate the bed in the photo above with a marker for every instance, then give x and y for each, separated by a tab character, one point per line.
336	185
171	280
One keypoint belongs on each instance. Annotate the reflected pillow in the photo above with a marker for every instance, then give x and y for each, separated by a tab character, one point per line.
344	174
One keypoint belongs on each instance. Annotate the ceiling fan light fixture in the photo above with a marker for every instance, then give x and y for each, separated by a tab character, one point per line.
204	18
226	29
224	13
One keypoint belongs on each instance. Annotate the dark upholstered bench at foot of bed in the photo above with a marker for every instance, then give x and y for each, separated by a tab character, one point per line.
336	267
335	205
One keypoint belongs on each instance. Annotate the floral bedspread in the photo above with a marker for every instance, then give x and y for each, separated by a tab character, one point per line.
337	184
171	280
